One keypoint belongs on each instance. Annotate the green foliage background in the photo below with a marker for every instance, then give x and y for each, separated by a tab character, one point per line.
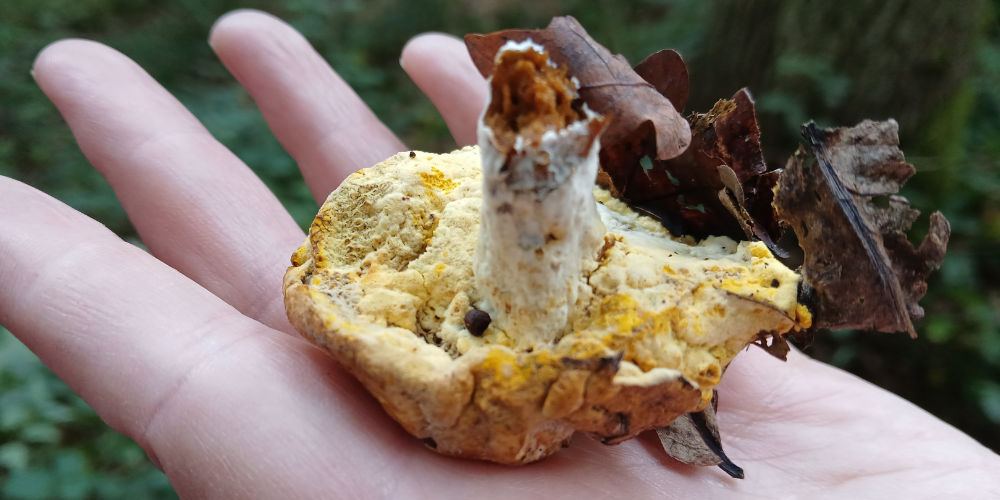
941	80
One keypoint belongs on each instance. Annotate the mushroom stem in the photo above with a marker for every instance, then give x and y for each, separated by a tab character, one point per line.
539	222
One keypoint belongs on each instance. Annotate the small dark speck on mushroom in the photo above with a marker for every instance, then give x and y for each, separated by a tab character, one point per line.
476	322
775	284
413	154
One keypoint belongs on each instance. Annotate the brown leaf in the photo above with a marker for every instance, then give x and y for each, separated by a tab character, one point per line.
699	213
608	84
737	137
779	345
733	204
685	192
666	71
802	337
736	202
759	198
860	271
694	439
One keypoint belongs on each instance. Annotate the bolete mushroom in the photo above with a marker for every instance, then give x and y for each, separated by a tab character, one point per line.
496	302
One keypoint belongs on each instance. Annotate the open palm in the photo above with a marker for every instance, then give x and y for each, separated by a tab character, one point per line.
188	350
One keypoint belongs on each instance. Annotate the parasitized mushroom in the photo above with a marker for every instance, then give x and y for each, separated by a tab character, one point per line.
496	302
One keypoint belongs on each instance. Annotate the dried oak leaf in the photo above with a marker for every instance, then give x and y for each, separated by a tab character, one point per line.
693	438
688	193
608	84
778	347
668	74
760	206
734	198
860	270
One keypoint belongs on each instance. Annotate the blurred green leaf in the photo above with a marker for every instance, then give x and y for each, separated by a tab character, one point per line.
938	329
14	455
39	433
56	447
29	484
989	398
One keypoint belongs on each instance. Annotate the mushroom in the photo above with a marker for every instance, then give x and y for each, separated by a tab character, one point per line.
496	302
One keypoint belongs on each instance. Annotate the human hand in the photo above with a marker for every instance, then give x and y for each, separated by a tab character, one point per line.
188	350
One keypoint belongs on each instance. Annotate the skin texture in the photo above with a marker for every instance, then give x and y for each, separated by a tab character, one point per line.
188	351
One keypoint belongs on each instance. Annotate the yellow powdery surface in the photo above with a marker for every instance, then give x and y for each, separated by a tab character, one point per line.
393	248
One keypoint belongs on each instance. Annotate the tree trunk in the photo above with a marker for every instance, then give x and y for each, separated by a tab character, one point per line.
839	62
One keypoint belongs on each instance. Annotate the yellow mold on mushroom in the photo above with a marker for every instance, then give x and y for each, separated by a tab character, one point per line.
385	279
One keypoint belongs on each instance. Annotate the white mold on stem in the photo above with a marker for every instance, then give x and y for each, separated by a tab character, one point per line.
539	224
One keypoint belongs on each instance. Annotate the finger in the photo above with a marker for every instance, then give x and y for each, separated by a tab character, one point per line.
315	115
197	207
227	407
807	420
78	296
440	65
